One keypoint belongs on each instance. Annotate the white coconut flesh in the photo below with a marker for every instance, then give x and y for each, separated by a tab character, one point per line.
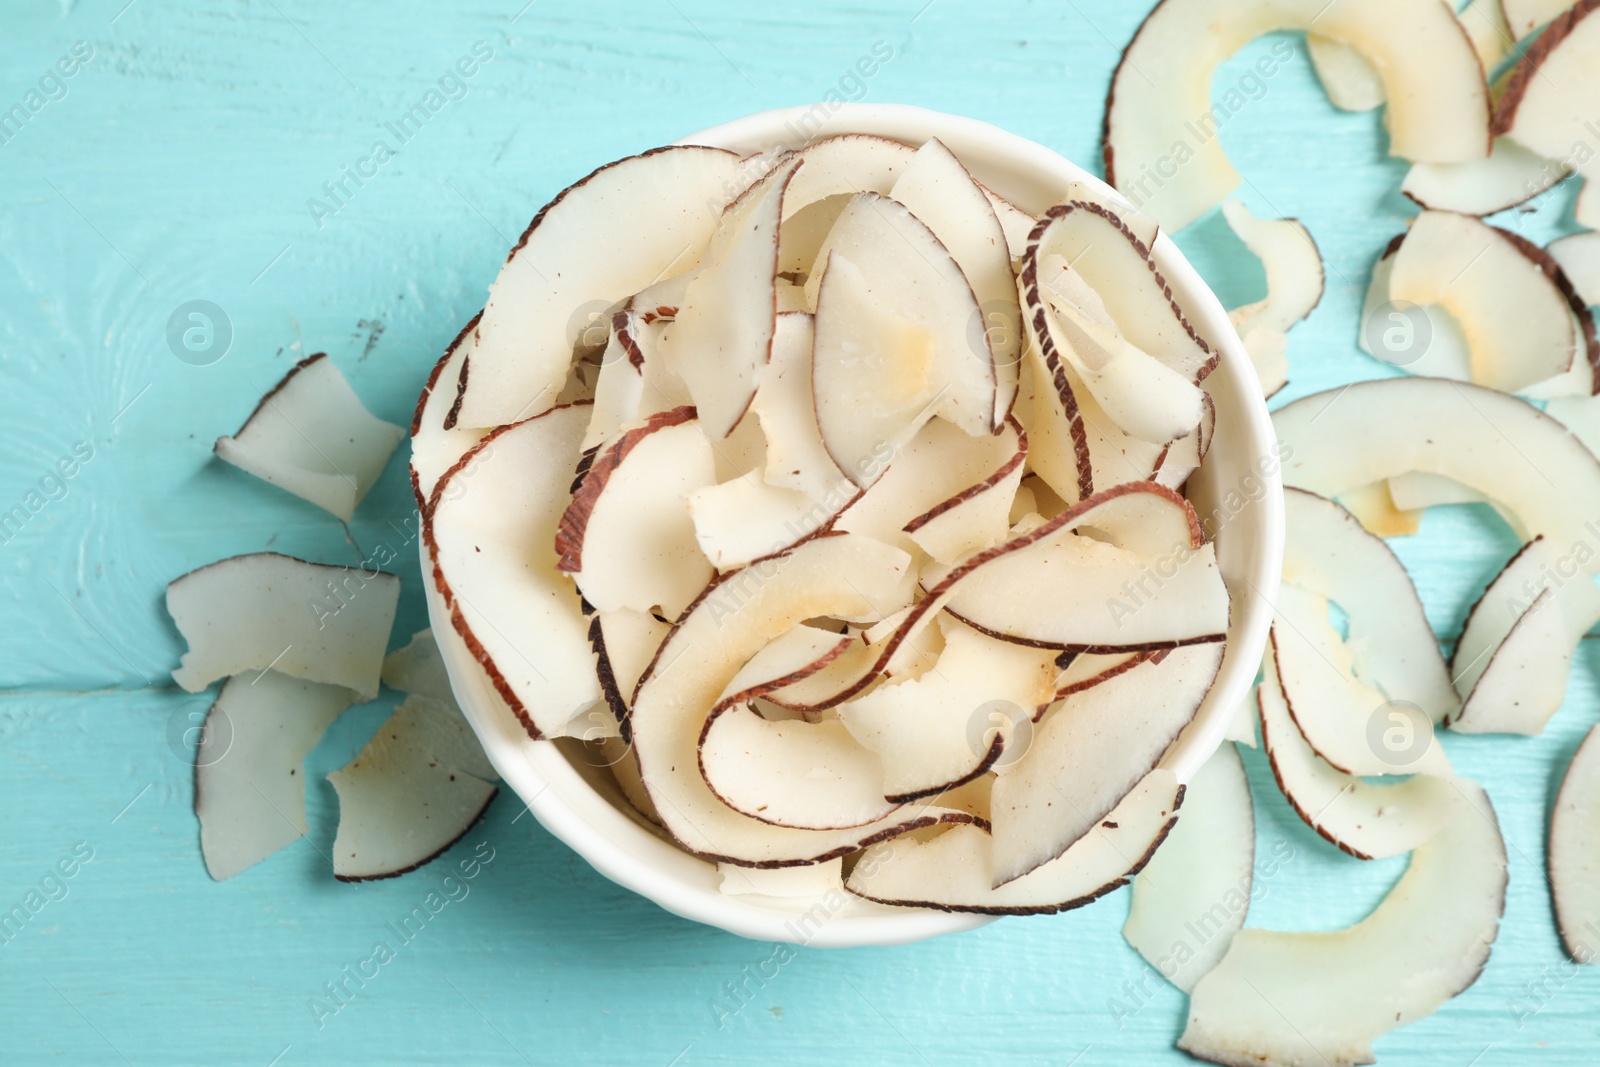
732	621
1351	82
437	442
1416	491
1193	896
1327	552
1495	444
783	406
626	537
612	234
937	189
893	345
1050	587
721	338
952	723
1573	859
1578	256
1518	326
1548	96
1511	662
1293	264
418	668
249	777
311	621
953	871
1438	112
492	544
1331	707
1116	264
410	793
1144	397
1366	820
310	435
1089	752
1510	175
1524	16
943	493
812	776
1324	997
624	643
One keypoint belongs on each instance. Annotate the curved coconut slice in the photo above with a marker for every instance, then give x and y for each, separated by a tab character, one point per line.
1058	439
610	235
249	789
937	189
787	659
1351	82
1574	852
1144	397
1268	351
952	872
813	776
1295	278
410	793
892	344
744	519
721	338
1499	445
1192	897
1331	707
1579	258
627	537
953	723
1511	175
307	620
795	455
635	381
624	643
1438	112
310	435
419	669
814	882
1416	491
1511	662
732	620
1089	753
1015	223
1115	263
1548	98
1086	670
494	563
1365	820
944	479
1517	322
849	163
1049	588
1377	512
436	442
1281	997
1328	552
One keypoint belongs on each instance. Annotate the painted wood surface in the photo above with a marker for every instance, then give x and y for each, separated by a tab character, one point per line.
186	159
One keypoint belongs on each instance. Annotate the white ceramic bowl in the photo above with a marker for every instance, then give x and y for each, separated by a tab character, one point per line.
580	805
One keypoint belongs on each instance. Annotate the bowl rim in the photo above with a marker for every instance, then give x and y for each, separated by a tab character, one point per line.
623	850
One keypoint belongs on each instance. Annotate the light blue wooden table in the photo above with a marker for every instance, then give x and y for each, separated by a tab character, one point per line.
178	163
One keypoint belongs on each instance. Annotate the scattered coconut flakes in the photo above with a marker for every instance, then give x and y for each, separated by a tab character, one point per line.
1351	82
1323	997
310	435
308	620
419	668
249	785
410	793
1511	175
1200	880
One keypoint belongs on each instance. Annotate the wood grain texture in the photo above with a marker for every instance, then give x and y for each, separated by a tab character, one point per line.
178	166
